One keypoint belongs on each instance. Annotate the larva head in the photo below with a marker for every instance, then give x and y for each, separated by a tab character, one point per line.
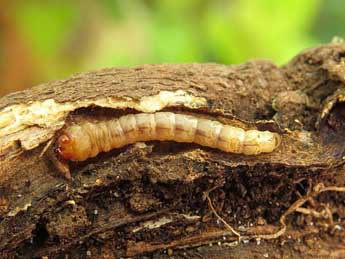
73	144
277	140
65	146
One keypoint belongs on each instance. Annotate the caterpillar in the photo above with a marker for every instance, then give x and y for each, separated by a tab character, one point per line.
87	139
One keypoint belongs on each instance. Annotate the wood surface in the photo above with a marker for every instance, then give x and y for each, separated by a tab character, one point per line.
163	199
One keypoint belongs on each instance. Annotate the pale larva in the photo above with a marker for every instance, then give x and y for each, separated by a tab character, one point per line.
87	139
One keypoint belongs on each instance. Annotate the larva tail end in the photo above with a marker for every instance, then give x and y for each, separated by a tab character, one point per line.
278	140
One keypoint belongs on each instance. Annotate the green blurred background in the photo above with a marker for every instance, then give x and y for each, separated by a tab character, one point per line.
46	40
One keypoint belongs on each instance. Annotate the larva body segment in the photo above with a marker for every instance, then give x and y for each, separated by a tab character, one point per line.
231	139
128	124
146	126
207	133
165	125
185	128
82	141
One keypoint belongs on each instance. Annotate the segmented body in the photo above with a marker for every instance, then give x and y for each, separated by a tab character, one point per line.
87	139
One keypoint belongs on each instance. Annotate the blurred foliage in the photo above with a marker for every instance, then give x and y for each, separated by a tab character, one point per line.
57	38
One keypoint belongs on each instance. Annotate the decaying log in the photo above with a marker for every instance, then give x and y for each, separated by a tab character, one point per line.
161	199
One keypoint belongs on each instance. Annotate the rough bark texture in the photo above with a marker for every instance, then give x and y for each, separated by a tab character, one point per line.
163	199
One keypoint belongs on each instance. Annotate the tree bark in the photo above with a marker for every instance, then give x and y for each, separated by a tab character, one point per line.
163	199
